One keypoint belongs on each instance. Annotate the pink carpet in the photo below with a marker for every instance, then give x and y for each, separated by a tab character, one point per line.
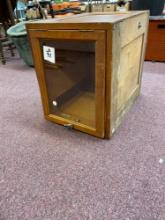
50	173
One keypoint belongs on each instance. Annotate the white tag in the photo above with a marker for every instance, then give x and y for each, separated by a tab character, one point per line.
49	54
122	9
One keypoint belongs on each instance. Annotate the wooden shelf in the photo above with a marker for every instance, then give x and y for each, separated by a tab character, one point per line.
80	108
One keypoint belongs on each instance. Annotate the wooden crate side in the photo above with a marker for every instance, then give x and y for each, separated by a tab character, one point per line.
108	83
133	27
128	74
144	48
113	63
127	62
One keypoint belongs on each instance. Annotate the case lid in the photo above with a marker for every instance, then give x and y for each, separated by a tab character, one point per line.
102	20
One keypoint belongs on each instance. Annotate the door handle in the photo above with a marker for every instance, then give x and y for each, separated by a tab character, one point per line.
139	25
53	65
69	126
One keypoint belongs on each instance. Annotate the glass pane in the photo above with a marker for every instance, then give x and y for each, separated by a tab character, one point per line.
70	79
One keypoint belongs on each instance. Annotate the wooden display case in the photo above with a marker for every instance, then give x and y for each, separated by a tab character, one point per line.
89	68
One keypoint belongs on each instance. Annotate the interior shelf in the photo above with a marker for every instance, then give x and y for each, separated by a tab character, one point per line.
80	108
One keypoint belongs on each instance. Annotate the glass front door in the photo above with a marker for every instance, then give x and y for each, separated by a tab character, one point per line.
70	67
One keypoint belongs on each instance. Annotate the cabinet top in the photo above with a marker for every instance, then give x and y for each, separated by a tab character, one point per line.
95	20
158	18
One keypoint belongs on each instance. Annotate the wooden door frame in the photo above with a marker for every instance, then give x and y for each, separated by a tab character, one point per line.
99	37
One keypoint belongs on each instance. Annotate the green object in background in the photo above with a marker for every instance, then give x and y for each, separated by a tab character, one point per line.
18	35
24	49
58	1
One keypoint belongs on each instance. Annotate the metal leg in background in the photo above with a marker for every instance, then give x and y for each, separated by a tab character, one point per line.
11	50
2	58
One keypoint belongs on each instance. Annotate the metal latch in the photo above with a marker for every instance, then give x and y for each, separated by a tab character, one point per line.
139	25
69	126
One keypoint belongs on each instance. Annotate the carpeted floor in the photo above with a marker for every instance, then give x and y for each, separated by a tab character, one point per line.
50	173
